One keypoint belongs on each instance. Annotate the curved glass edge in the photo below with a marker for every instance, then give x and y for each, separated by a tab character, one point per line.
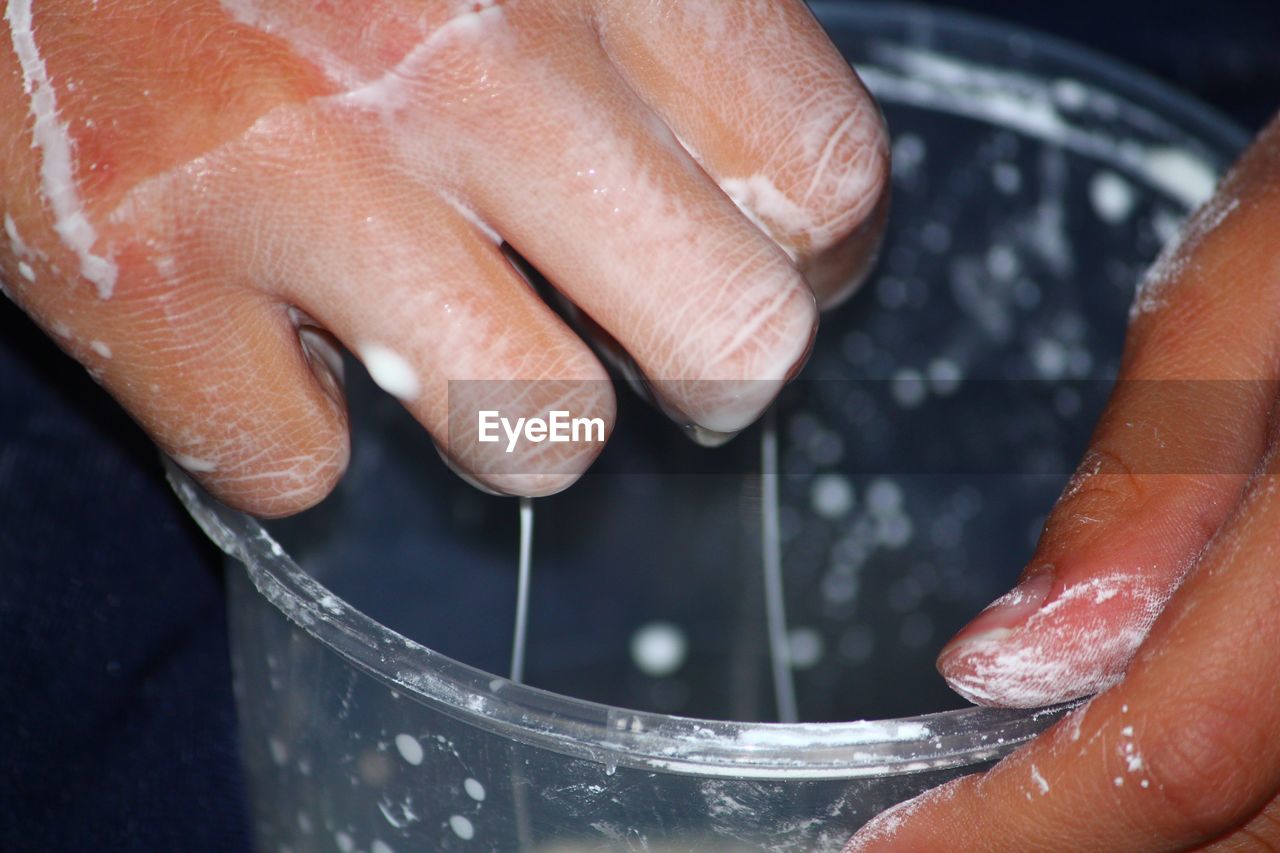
611	736
1146	94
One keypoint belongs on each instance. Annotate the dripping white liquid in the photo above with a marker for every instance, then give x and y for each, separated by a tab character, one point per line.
522	591
784	688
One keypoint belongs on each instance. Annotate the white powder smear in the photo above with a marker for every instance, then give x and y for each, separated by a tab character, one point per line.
53	139
195	464
1079	643
881	830
390	371
394	89
1173	260
16	243
1038	778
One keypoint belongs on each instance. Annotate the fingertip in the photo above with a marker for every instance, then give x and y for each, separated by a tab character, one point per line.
751	365
282	480
1047	642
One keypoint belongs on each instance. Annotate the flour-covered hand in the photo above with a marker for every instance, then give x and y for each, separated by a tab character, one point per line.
200	197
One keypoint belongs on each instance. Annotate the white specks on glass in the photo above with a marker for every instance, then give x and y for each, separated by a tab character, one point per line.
409	748
462	827
474	789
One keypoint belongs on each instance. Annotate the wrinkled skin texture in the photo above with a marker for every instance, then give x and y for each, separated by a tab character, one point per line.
249	180
1181	751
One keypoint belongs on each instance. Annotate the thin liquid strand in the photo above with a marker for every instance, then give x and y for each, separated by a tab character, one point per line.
784	687
522	591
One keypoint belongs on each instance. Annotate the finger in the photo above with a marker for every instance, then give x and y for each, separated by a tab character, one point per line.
306	208
629	228
226	381
1180	753
774	114
1183	429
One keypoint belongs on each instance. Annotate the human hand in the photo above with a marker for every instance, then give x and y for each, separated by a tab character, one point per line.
1167	545
191	192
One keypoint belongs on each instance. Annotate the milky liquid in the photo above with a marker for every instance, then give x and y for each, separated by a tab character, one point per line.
784	687
522	591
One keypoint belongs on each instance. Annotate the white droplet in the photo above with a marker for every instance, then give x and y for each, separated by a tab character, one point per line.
908	387
944	376
409	748
1112	197
805	647
831	495
474	790
380	846
884	497
1007	178
344	841
279	752
25	270
392	373
462	827
100	348
1049	357
659	648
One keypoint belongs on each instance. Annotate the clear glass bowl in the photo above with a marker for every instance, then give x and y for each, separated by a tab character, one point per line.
1033	181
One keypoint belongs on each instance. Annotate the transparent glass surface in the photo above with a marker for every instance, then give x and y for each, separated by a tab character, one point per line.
1033	181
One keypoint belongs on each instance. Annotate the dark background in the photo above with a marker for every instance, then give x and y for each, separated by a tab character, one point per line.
117	729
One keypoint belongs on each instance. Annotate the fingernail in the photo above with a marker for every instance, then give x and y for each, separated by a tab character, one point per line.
1003	615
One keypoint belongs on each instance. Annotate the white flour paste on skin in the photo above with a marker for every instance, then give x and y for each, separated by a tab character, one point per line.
392	91
16	243
1173	260
194	464
884	827
1042	785
390	371
1073	646
57	169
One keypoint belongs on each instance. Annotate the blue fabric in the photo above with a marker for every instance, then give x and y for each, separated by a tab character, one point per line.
116	721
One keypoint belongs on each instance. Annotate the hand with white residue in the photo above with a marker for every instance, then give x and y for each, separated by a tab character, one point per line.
199	198
1156	583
